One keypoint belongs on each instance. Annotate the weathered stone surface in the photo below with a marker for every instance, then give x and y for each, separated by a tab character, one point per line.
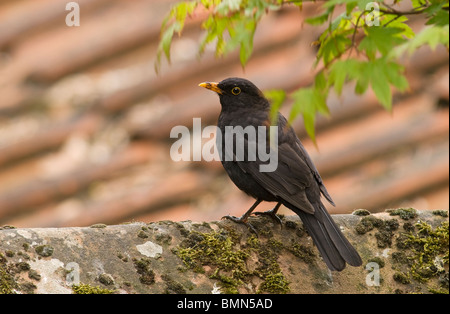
223	257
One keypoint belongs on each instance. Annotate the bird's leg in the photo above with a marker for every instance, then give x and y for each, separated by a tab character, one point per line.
272	213
243	219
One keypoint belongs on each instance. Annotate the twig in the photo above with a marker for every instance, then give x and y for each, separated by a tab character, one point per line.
355	31
399	13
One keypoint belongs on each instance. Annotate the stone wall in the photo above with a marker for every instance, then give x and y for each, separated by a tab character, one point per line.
404	251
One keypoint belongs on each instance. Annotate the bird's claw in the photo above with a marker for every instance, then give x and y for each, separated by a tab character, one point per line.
241	220
272	214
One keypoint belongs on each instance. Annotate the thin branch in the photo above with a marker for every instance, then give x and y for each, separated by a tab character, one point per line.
355	31
356	26
392	11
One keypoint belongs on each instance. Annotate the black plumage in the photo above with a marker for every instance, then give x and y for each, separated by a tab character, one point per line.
295	183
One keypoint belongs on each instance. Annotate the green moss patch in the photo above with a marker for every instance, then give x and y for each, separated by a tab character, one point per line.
7	282
44	250
144	269
442	213
384	229
221	256
404	213
425	256
88	289
430	251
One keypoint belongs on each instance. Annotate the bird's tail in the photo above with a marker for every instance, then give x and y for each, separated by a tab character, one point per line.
332	244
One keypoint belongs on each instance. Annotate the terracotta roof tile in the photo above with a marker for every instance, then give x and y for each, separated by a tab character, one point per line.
85	120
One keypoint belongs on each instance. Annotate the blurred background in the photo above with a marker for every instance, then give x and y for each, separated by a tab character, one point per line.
85	120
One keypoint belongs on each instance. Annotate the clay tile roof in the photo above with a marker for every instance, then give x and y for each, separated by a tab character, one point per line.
85	120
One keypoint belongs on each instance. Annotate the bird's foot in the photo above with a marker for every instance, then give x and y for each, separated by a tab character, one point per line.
241	220
272	214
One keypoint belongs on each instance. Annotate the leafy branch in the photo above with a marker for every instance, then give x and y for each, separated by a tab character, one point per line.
362	44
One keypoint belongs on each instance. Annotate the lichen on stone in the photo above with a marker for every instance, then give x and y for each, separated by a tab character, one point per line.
44	250
106	279
143	268
172	286
98	226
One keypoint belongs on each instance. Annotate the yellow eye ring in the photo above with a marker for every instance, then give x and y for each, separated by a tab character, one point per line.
236	90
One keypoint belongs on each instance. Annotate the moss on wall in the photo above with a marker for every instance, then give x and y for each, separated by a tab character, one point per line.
406	249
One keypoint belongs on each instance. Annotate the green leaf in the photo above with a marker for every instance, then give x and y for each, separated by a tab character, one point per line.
338	74
239	19
227	6
320	82
333	3
308	101
182	10
362	4
395	76
257	8
215	27
440	19
165	43
246	42
350	6
380	85
399	22
342	21
333	47
340	70
417	3
435	7
276	97
379	74
362	84
241	31
320	19
431	36
304	105
173	23
380	39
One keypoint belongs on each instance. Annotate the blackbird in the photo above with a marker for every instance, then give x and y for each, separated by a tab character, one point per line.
295	182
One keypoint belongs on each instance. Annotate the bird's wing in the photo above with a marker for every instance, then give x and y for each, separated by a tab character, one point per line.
290	179
302	151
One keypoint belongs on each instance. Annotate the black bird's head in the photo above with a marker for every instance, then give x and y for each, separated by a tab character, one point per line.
238	93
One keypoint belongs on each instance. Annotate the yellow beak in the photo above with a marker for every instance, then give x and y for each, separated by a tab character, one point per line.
211	86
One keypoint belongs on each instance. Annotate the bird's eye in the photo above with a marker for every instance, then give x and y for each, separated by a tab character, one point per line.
236	90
